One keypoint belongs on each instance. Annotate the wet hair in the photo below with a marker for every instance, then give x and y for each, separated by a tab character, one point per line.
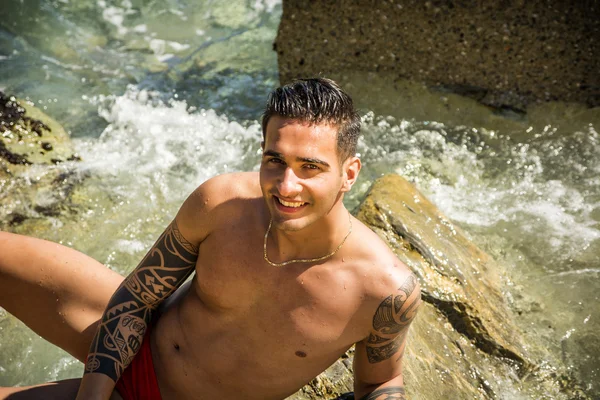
317	101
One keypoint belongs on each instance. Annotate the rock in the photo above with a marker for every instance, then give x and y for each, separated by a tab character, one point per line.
464	344
29	136
337	380
31	145
505	54
456	277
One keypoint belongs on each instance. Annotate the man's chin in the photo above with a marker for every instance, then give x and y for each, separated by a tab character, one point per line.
290	225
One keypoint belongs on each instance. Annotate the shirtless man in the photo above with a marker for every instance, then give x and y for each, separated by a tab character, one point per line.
286	280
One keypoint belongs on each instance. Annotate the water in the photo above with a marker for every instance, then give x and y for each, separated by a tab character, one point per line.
156	110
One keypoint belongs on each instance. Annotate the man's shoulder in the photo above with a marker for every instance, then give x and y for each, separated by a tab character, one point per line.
217	199
223	188
384	271
232	185
388	286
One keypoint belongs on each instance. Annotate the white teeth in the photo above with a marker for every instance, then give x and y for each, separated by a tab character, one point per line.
288	204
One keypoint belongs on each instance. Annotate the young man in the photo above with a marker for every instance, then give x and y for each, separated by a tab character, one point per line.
285	280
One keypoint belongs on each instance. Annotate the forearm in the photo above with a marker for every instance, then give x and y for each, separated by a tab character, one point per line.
129	312
120	332
378	358
390	390
116	342
388	393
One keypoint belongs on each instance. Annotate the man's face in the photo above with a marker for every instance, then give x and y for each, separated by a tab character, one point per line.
300	175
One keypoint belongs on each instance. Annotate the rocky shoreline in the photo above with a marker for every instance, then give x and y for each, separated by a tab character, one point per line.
465	342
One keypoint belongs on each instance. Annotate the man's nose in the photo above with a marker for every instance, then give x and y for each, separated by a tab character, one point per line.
289	186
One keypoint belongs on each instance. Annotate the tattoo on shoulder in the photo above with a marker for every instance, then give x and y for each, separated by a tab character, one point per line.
191	249
390	393
391	321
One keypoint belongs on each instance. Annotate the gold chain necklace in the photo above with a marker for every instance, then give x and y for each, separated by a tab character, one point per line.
302	260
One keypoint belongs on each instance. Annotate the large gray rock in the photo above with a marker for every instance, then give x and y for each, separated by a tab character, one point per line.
465	343
504	53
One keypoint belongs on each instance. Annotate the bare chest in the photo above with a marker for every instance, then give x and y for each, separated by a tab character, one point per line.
281	326
304	308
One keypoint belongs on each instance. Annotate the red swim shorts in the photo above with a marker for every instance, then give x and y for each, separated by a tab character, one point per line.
138	381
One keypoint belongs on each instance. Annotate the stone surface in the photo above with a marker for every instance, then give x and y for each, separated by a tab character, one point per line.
32	144
464	343
505	54
29	136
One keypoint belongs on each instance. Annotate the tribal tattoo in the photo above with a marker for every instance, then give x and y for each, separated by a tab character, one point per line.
390	322
123	326
390	393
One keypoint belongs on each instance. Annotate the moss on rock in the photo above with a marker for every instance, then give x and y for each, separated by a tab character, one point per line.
29	136
31	144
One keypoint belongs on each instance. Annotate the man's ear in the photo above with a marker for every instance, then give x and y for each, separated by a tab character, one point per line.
351	169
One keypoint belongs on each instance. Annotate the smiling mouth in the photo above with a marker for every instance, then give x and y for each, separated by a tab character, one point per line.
290	204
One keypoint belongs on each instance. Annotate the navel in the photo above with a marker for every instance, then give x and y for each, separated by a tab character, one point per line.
176	346
301	354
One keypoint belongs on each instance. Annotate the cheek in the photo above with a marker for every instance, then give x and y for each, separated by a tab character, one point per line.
264	176
327	189
268	179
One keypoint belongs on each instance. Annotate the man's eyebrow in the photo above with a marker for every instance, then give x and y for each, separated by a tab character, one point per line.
273	153
313	161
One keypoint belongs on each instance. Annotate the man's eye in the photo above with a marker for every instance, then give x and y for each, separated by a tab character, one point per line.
311	166
275	160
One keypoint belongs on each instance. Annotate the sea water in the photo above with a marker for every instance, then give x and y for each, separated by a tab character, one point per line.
160	96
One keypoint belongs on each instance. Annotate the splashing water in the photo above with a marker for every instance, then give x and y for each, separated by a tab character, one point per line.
154	112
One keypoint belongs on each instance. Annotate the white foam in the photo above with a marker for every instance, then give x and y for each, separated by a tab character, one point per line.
115	16
158	46
176	46
179	13
142	28
164	146
583	271
131	246
265	5
161	47
458	181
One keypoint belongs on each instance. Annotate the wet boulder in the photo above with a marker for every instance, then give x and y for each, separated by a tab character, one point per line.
29	136
32	148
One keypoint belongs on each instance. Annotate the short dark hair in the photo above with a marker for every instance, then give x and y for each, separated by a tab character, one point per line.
316	101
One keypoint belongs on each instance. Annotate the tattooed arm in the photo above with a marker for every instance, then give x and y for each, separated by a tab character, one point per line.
129	312
378	358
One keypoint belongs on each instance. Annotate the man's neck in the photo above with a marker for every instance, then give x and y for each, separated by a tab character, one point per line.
316	240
